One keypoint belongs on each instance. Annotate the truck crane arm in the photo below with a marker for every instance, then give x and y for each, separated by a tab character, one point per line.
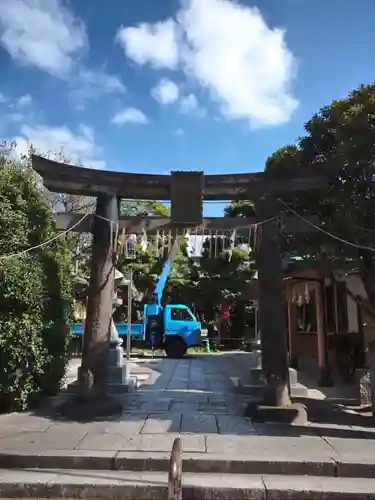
163	278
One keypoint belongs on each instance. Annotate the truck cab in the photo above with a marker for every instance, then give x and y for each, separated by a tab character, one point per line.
173	327
181	330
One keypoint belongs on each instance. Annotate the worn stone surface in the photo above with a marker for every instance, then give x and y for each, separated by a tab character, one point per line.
153	485
281	487
162	424
215	434
196	423
352	447
22	422
235	425
37	441
144	442
275	446
113	485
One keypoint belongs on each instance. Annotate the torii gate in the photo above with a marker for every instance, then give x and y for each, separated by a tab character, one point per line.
187	191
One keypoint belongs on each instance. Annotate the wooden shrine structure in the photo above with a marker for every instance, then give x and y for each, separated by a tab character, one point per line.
186	191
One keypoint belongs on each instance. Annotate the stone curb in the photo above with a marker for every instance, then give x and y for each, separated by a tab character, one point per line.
153	486
193	462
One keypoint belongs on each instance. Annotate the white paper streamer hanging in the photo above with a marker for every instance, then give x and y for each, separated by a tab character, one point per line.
157	243
144	241
189	247
232	244
131	245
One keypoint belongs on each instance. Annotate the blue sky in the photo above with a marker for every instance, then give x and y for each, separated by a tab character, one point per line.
157	85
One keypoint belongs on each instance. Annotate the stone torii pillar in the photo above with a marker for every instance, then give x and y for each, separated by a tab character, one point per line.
274	337
92	398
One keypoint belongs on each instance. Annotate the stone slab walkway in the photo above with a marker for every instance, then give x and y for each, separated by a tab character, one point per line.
192	398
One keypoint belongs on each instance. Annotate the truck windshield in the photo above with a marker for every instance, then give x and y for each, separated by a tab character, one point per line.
181	315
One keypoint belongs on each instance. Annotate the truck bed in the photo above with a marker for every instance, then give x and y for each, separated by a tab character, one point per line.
122	328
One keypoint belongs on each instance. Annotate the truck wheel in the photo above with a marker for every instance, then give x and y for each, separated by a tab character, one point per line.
175	348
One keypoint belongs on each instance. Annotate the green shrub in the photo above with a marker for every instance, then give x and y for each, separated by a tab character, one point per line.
36	295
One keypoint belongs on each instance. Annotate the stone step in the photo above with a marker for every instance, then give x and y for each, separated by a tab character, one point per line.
154	486
293	376
300	463
297	391
256	376
128	385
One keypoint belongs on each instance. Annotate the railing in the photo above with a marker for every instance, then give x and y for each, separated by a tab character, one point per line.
175	471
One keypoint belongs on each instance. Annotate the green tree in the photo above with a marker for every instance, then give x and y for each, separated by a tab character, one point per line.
224	273
133	208
339	143
239	209
36	292
146	268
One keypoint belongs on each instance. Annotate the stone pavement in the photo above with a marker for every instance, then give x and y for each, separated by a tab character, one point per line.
192	398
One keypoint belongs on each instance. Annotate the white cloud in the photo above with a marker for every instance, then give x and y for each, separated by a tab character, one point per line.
79	147
24	101
190	105
42	33
3	99
45	34
154	44
99	78
179	132
21	109
130	115
166	92
89	84
16	116
230	51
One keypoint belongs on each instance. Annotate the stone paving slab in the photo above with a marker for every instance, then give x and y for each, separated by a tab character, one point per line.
143	442
327	488
162	424
275	446
235	425
352	447
21	422
37	441
194	423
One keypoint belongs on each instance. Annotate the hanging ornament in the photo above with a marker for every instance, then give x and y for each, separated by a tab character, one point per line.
216	244
121	242
157	243
130	246
169	240
189	247
232	242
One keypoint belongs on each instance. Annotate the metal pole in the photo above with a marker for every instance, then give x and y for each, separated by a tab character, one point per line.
129	336
175	472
